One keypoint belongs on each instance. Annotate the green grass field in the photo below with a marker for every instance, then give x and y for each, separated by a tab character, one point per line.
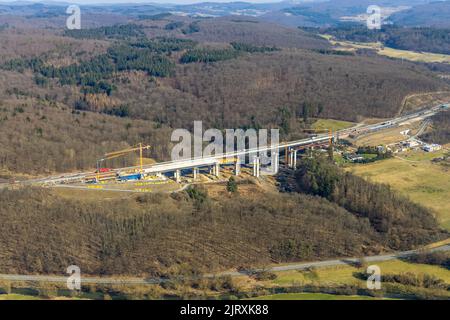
390	52
335	125
312	296
416	177
13	296
414	56
345	275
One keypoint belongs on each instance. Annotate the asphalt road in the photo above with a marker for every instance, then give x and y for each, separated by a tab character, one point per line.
288	267
302	266
173	165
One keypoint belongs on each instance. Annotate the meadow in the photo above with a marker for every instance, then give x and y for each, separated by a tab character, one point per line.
408	55
331	124
414	175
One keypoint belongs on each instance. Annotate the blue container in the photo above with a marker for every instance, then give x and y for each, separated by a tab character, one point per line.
131	177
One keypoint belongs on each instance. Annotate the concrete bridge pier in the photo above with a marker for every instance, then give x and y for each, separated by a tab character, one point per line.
290	163
275	162
237	168
177	176
217	169
256	167
196	173
294	160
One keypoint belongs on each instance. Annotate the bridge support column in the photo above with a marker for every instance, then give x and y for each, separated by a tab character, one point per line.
256	167
195	172
286	156
294	160
217	169
291	159
178	176
237	168
275	162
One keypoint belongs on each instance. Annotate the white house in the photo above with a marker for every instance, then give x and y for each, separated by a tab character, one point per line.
432	147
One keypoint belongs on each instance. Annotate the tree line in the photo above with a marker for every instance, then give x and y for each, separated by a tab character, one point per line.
440	132
435	40
93	75
399	222
107	32
153	233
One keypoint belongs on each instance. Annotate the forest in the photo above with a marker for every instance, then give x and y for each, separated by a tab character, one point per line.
93	75
208	55
143	82
108	32
256	33
413	39
440	132
68	97
400	222
40	138
48	232
433	14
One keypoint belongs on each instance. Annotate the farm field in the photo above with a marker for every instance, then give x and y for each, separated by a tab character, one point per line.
414	56
415	176
340	275
312	296
332	124
391	52
14	296
387	136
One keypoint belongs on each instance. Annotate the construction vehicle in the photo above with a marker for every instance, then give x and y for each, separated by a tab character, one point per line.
100	176
108	174
130	177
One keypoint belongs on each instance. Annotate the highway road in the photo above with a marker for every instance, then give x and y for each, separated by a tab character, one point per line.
171	166
287	267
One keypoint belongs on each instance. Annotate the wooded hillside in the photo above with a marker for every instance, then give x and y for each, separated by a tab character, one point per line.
243	80
42	232
440	132
413	39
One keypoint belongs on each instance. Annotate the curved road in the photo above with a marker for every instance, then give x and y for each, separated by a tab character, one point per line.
288	267
171	166
302	266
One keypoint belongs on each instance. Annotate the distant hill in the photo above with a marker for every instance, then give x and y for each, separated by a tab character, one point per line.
329	13
436	14
249	30
168	71
425	39
285	13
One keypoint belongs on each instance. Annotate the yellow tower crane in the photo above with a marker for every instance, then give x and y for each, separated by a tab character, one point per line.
112	155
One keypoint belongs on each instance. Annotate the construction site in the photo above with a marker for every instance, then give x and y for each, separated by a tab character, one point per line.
265	160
